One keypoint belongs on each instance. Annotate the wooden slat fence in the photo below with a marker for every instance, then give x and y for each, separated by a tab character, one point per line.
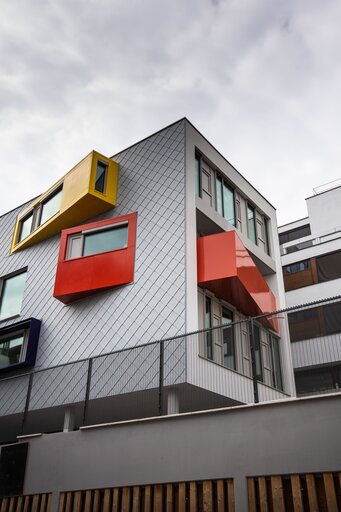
34	503
207	496
295	493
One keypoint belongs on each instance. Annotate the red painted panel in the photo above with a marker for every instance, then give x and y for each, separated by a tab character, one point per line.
226	268
80	277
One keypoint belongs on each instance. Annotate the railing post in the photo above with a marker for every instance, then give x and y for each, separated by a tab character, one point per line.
253	361
27	403
87	392
161	397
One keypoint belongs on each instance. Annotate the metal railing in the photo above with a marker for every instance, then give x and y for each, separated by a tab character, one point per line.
238	367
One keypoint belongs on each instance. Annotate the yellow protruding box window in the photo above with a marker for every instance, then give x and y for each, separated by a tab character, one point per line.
90	188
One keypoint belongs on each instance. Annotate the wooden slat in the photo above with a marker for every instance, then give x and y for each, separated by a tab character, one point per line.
88	505
97	501
193	497
330	492
116	500
77	501
230	495
20	504
62	499
158	498
312	494
251	491
35	503
296	493
277	494
147	499
106	500
27	504
12	503
49	502
207	496
220	496
43	503
136	499
68	502
126	499
182	497
4	504
263	495
169	498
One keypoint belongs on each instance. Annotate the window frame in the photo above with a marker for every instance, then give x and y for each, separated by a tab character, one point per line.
23	351
106	165
30	328
231	327
277	373
225	183
2	287
82	236
253	209
36	213
258	349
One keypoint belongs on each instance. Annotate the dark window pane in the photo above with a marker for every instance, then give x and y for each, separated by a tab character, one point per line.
197	176
304	324
299	247
329	266
10	350
294	234
101	173
332	318
103	241
258	355
276	363
228	339
208	324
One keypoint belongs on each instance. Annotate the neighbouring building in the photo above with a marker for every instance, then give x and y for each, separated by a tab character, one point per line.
311	259
162	239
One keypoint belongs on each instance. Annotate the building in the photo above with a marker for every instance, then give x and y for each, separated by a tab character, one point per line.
164	238
311	259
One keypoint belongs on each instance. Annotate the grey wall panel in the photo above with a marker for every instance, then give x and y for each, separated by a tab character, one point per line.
13	395
310	352
151	182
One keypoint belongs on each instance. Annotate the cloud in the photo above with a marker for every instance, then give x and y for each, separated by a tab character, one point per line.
259	79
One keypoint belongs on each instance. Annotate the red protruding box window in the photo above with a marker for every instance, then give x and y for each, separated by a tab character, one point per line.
226	268
82	271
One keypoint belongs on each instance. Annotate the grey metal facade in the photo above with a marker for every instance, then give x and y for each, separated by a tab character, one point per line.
151	183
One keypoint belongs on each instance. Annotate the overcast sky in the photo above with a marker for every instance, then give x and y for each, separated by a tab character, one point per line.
261	79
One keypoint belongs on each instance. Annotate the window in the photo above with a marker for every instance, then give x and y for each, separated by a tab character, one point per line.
12	349
50	206
328	266
208	325
294	234
40	214
26	227
197	176
296	267
97	241
101	176
266	235
251	222
315	322
11	295
225	200
258	355
277	380
229	358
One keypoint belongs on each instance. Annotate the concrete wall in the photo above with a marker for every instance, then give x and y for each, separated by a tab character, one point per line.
293	436
324	211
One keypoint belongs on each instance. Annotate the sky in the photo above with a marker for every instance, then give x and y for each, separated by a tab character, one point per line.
261	79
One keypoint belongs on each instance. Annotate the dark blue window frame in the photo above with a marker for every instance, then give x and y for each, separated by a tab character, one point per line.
31	327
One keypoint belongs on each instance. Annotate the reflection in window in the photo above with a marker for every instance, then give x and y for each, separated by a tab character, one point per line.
251	223
228	339
50	207
11	349
97	241
26	227
101	175
12	293
219	188
103	241
297	267
229	204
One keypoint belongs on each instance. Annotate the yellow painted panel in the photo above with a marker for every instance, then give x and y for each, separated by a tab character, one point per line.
79	200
